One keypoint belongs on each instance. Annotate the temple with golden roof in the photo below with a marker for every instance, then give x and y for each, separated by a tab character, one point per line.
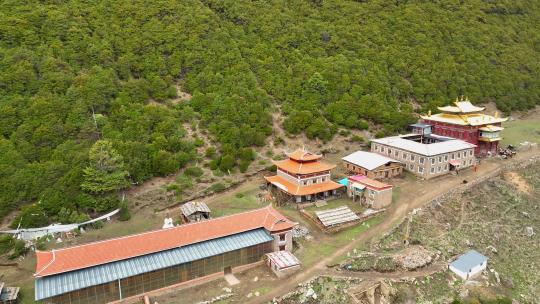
302	177
464	121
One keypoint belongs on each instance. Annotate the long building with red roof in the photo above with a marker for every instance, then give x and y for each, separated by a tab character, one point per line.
119	268
302	177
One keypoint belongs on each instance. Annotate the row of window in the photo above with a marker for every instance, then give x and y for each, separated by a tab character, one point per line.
412	157
438	169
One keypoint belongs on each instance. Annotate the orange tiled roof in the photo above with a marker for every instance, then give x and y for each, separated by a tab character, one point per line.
303	155
370	182
303	168
295	189
97	253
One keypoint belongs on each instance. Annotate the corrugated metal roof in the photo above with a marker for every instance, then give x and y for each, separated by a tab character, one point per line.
446	145
467	261
192	207
50	286
283	259
336	216
368	160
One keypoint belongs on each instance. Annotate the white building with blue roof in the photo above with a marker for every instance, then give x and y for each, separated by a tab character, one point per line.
468	264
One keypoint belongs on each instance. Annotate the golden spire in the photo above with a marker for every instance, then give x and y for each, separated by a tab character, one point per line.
467	98
496	114
429	113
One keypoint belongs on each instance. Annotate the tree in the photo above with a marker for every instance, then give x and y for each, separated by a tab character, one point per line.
106	170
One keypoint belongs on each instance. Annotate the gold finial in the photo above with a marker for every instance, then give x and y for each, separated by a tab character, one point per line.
461	97
429	113
467	98
496	114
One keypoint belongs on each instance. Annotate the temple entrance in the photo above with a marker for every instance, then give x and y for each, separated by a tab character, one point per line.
227	270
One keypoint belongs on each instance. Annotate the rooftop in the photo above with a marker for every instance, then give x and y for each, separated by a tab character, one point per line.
295	189
50	286
370	183
368	160
463	106
303	155
283	259
303	168
191	207
337	216
97	253
445	145
468	260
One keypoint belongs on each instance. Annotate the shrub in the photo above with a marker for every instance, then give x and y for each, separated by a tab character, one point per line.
239	195
98	225
124	214
244	165
19	249
217	187
363	264
193	171
385	264
210	152
358	138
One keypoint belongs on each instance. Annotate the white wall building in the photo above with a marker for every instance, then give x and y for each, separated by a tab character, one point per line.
469	264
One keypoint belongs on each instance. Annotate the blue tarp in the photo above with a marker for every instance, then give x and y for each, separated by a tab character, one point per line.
344	182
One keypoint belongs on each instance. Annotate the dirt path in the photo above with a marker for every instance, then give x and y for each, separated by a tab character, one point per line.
373	275
408	201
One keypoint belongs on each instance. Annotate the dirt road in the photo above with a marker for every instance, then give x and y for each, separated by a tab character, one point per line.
422	193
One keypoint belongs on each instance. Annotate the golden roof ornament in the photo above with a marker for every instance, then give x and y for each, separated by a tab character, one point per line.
496	114
429	113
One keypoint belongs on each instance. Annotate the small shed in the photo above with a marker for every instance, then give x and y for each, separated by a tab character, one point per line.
8	295
370	192
195	212
282	263
469	264
372	165
335	217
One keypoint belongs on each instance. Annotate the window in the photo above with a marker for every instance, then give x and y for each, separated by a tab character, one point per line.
420	169
432	170
282	237
433	161
389	151
446	158
405	155
458	155
382	149
446	167
421	160
471	152
314	181
440	159
376	147
453	156
282	248
470	162
396	153
323	179
439	169
305	183
412	157
411	167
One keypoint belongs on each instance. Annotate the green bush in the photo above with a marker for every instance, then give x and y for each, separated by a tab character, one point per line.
19	249
217	187
363	264
385	264
239	195
194	171
124	214
358	138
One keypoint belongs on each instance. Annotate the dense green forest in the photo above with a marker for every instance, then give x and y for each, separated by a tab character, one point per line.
86	86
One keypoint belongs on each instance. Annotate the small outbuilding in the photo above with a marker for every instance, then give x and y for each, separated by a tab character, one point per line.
469	264
8	295
337	216
369	192
195	212
282	263
372	165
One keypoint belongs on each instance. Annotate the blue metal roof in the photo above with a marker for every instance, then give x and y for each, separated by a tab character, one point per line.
344	181
51	286
468	260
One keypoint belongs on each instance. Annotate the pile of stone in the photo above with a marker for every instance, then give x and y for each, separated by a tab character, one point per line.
301	232
414	257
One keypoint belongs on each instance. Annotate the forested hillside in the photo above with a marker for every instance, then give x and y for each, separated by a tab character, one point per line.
86	86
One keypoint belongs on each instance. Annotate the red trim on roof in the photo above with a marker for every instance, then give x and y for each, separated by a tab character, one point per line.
370	183
102	252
